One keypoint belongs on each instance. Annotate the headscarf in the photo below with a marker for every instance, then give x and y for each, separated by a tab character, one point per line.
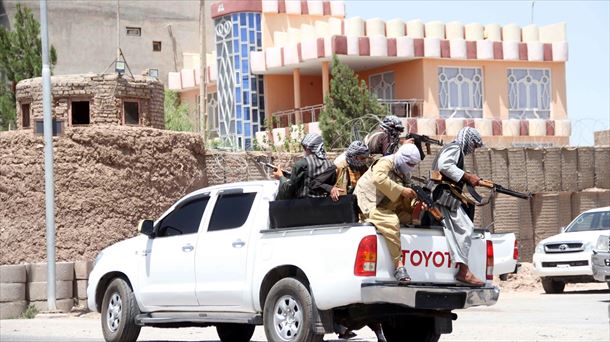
392	125
356	148
468	138
314	143
406	158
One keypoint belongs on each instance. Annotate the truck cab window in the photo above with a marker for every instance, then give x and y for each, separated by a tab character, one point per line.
231	211
183	220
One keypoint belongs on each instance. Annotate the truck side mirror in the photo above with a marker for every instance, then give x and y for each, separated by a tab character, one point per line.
146	227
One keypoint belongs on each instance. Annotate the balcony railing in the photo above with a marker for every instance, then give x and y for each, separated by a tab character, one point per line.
403	108
286	118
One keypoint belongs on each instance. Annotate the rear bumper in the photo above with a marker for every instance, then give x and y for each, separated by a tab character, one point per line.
428	296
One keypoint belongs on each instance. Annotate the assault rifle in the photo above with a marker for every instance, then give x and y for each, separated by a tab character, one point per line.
419	139
438	177
273	167
425	197
500	189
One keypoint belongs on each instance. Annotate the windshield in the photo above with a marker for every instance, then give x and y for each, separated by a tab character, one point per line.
590	221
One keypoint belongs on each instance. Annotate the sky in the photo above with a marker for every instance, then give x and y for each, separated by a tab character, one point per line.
588	35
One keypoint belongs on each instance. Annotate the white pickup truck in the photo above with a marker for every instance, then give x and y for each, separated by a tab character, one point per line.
212	259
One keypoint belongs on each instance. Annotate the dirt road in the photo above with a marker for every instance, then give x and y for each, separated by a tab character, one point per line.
580	314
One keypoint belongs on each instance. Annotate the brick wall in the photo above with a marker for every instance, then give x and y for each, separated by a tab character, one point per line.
105	94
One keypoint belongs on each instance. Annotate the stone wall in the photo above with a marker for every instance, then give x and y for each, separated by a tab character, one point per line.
107	178
105	94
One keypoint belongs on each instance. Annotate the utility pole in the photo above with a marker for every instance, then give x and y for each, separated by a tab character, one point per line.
118	31
48	157
203	70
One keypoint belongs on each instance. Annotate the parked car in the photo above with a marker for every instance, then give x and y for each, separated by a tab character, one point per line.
567	257
601	259
218	257
506	254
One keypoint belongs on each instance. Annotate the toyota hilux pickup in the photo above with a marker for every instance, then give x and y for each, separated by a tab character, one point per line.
221	256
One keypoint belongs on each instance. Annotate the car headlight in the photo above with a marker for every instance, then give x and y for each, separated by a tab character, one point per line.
603	244
540	248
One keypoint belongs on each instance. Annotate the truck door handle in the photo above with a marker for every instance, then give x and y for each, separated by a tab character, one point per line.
238	243
187	248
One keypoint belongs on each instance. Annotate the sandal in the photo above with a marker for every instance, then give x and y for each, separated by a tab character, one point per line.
401	275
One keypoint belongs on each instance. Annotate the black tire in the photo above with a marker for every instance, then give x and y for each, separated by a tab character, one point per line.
504	277
551	285
291	299
119	326
416	329
233	332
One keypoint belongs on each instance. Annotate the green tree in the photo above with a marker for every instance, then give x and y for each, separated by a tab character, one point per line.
350	110
176	114
20	58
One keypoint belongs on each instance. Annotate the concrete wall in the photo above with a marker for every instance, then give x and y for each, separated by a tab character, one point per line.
602	138
106	180
84	33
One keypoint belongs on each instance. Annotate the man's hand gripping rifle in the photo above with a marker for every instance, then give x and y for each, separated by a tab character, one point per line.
425	198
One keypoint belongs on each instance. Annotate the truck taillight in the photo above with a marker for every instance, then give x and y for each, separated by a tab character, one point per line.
516	251
366	257
489	274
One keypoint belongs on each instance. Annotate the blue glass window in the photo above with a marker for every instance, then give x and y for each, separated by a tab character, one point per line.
243	36
247	130
262	104
254	115
239	127
237	95
254	100
247	113
244	66
238	112
251	36
244	50
235	45
251	19
248	143
234	17
246	97
236	60
255	128
242	18
261	117
259	39
235	27
246	83
253	80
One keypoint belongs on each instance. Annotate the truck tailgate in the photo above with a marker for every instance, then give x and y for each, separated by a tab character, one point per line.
427	258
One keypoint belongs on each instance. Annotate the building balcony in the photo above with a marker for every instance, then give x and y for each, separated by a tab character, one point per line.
402	108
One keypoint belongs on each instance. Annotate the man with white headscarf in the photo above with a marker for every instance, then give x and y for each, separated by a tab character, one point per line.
312	176
458	224
385	199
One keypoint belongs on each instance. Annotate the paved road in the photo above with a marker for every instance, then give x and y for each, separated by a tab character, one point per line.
573	316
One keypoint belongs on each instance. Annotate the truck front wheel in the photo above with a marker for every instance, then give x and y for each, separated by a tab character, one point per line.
551	285
420	329
232	332
119	310
289	313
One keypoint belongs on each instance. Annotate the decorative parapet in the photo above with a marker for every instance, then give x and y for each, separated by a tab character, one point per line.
412	39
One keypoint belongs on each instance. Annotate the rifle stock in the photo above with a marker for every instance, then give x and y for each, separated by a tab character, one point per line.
418	139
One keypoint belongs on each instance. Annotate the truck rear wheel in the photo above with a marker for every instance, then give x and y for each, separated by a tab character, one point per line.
420	329
119	310
551	285
288	314
233	332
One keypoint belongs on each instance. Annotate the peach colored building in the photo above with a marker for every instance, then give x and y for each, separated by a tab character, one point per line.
507	81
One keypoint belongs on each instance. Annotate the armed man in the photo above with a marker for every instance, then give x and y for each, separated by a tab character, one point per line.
458	224
351	165
385	139
312	176
385	199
